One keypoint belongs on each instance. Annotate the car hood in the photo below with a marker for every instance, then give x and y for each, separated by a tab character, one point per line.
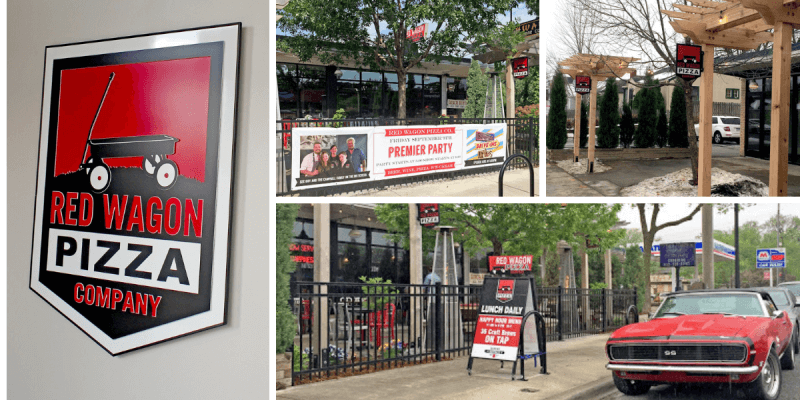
710	325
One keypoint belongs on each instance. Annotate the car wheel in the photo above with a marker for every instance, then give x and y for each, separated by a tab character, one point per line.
717	138
787	361
768	384
629	387
796	340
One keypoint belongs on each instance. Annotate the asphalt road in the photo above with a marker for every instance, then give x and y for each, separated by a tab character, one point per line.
790	390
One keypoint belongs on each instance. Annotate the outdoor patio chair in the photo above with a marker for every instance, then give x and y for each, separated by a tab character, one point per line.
380	320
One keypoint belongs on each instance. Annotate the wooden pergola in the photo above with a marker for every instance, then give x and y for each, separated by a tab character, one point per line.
743	24
596	67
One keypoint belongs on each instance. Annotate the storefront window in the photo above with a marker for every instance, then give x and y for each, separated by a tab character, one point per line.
288	89
352	263
301	90
433	96
351	234
414	99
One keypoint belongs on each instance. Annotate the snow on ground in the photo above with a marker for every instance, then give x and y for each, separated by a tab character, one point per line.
576	168
723	184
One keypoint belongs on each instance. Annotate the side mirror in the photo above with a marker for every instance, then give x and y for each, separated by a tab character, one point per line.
777	313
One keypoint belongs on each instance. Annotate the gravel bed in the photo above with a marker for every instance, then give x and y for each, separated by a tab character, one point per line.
723	184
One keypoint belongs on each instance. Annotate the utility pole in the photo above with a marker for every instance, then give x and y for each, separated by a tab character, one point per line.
777	244
737	281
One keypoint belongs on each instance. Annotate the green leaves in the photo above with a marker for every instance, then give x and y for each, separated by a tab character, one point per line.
557	118
608	116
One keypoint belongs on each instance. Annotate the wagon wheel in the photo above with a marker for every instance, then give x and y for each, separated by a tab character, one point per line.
166	174
99	177
149	165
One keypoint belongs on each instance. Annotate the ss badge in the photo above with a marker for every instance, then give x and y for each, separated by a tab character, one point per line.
670	352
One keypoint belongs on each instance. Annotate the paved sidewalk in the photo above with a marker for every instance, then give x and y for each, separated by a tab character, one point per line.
576	369
516	183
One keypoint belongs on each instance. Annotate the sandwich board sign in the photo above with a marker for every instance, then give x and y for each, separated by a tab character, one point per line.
504	301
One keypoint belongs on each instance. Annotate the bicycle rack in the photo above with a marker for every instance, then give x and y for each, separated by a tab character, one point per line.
503	170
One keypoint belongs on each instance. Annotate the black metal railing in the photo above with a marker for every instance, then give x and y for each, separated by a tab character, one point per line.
523	138
354	328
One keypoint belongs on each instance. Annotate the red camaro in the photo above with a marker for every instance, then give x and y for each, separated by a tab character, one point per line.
714	336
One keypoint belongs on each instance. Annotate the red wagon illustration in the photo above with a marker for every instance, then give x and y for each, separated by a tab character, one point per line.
153	149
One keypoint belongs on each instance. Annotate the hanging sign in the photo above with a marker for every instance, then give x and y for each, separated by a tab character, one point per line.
689	61
583	84
428	214
519	67
503	304
512	264
133	197
771	258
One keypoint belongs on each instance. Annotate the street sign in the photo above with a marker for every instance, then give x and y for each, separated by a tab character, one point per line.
689	61
513	264
428	214
771	258
583	84
519	67
529	27
677	254
503	304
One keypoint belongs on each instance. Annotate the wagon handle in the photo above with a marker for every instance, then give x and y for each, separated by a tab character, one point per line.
86	147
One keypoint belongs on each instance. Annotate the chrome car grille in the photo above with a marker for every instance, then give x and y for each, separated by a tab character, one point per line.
700	352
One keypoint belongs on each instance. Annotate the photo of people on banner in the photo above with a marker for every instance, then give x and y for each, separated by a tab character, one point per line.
329	156
332	158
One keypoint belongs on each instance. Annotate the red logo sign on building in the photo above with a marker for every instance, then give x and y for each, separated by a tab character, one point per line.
505	290
416	34
428	214
689	61
583	84
513	264
131	230
519	67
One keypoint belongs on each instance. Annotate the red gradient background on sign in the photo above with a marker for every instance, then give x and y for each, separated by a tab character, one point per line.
154	98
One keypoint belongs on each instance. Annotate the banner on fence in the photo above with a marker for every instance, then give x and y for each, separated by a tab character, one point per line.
503	304
330	156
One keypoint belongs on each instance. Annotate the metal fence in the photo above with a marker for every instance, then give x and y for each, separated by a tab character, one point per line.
523	138
351	328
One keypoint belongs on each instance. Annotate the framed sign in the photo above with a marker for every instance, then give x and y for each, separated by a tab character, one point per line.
771	258
428	214
512	264
583	84
519	67
134	184
689	61
677	254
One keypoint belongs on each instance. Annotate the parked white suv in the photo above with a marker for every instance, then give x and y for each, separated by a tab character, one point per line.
723	128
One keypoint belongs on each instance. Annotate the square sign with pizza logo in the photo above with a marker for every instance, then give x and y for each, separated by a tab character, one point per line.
134	184
689	61
519	67
583	84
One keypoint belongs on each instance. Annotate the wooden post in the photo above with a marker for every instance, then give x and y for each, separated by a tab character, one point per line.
415	273
591	122
576	136
781	109
322	273
510	93
706	103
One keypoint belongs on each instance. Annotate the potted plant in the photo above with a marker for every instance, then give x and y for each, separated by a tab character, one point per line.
377	294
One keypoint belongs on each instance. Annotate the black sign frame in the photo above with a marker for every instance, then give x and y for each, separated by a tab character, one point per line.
687	62
147	303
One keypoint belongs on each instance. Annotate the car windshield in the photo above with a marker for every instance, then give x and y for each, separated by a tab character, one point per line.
730	121
794	287
779	297
728	303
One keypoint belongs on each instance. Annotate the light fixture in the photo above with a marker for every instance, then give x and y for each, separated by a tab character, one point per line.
338	73
346	260
753	85
721	18
426	77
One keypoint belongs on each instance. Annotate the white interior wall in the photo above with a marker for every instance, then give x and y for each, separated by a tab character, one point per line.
48	357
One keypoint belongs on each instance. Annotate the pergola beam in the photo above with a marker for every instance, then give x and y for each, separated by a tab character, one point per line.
735	38
774	12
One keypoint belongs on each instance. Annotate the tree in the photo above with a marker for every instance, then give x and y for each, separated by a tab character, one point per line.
648	237
661	127
647	103
584	124
608	129
285	215
351	30
527	89
677	119
626	126
511	228
557	119
476	91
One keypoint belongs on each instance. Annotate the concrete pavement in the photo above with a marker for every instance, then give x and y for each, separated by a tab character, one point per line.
576	370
